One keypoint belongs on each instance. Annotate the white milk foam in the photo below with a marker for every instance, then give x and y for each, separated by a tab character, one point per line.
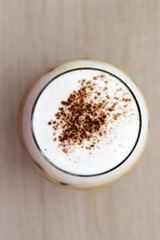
112	149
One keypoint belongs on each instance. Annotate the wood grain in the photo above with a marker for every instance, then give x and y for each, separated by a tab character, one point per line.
34	35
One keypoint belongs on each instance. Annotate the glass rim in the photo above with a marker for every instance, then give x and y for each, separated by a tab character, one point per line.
76	174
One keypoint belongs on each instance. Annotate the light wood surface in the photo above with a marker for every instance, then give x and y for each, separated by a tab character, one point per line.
36	34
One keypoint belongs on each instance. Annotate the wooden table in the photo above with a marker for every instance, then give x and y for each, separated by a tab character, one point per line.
34	35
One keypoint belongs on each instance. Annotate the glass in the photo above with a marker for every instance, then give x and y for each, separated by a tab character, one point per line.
37	156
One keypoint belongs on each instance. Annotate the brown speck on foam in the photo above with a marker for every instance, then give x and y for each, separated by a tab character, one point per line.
91	88
102	76
105	88
88	82
116	116
126	99
118	89
108	97
116	98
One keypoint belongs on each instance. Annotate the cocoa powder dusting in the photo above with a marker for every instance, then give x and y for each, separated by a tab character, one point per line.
85	115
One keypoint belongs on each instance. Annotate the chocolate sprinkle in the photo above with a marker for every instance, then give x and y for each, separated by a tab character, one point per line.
85	115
